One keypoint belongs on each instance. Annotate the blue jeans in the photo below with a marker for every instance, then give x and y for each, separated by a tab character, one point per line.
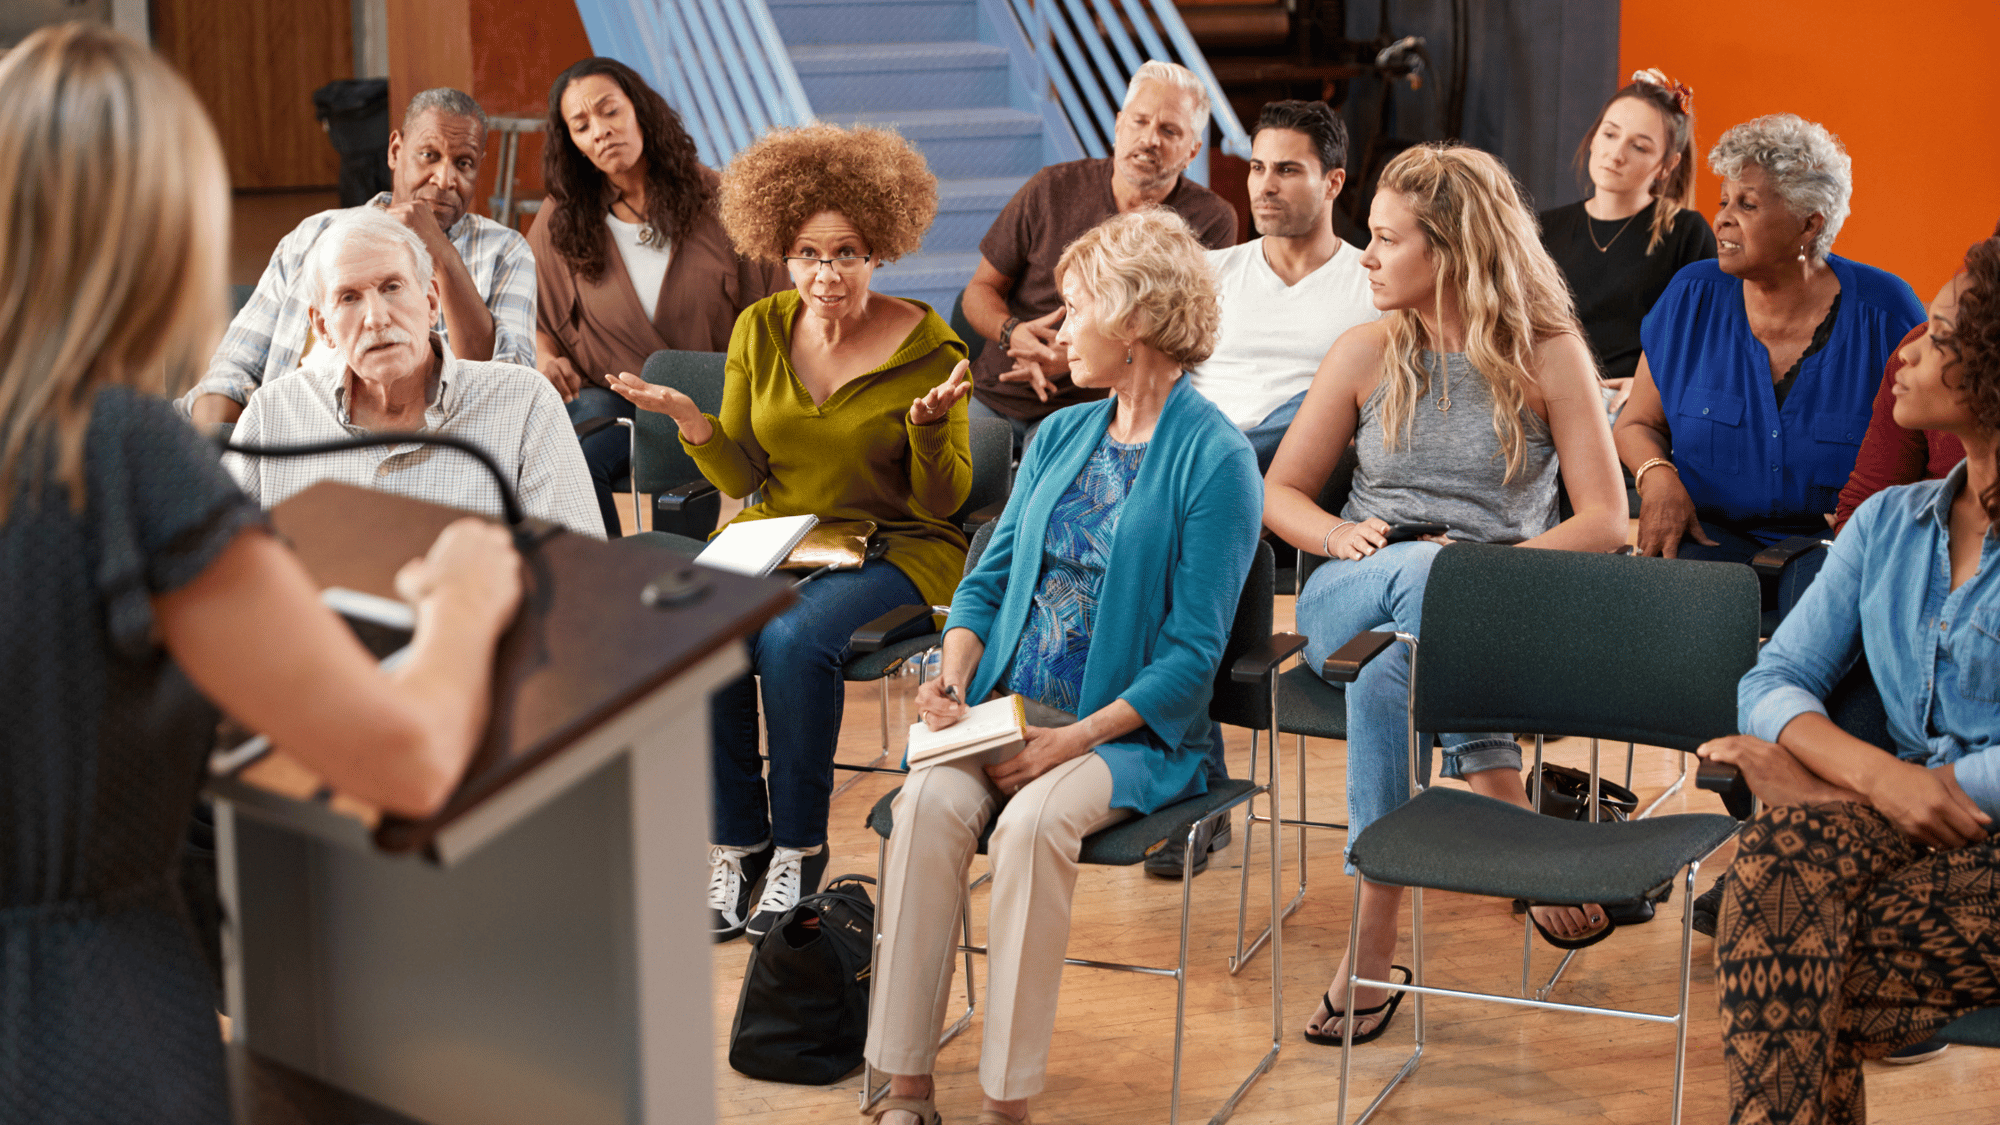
1024	432
1385	591
607	452
1740	545
798	657
1266	435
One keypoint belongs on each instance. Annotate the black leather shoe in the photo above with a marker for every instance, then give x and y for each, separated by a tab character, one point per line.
1212	836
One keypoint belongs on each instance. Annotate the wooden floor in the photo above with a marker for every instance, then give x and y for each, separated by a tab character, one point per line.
1112	1058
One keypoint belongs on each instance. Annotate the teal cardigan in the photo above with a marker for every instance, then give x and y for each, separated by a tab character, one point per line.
1171	581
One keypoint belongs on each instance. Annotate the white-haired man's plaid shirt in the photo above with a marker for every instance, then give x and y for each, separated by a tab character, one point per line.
269	337
508	410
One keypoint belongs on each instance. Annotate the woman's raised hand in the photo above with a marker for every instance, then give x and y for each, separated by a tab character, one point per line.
937	709
695	427
936	404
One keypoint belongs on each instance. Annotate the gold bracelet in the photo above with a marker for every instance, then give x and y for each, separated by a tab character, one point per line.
1655	462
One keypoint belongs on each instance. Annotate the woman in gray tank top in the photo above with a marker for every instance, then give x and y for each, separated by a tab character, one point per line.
1460	401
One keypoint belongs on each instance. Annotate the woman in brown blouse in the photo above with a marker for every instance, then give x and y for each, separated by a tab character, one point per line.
630	258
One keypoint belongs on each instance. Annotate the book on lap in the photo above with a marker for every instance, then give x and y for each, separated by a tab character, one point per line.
756	547
992	732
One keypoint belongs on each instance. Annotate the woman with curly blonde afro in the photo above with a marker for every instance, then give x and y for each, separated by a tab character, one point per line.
845	404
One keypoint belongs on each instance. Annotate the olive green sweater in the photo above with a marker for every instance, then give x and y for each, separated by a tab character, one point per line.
854	457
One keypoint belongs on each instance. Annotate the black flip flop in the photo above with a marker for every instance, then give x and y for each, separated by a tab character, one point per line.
1372	1033
1584	942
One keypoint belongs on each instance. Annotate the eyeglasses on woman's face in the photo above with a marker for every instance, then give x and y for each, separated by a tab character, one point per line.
845	263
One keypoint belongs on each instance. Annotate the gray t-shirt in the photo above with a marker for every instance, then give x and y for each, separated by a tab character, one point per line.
1449	468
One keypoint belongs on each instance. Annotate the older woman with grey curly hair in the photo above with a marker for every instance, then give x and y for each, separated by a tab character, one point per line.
1107	592
1759	368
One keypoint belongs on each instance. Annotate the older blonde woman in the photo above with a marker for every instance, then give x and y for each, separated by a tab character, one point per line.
1461	402
1107	591
1759	369
838	402
130	565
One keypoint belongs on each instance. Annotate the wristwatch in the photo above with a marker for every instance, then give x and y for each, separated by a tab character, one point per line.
1007	330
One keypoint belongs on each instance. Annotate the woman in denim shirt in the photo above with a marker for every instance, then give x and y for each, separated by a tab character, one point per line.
1863	910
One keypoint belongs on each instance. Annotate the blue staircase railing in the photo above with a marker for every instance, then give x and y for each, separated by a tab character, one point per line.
1076	40
720	63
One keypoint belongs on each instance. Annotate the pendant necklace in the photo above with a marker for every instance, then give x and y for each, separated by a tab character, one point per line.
648	235
1444	386
1592	232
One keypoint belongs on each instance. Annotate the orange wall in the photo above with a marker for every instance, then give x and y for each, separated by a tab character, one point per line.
1910	89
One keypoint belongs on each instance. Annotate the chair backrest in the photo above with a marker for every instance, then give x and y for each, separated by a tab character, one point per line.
992	465
977	547
974	342
1603	646
1247	705
661	463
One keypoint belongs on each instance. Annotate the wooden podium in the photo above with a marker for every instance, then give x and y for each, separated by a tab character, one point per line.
537	953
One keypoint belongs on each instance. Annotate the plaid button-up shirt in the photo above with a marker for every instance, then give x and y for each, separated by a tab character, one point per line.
269	337
508	410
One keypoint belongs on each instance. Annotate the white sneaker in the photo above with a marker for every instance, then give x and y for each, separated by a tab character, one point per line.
794	874
732	874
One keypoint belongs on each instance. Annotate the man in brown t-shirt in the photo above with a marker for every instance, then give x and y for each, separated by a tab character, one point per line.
1012	299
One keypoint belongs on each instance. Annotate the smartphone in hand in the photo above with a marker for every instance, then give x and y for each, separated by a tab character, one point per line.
1404	532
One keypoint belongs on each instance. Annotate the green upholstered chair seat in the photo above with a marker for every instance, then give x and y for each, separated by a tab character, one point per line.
1453	840
1974	1029
679	544
1121	845
1310	706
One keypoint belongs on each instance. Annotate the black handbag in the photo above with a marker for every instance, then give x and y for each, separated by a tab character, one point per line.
802	1016
1566	796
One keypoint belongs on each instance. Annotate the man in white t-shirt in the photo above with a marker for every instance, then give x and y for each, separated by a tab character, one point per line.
1287	295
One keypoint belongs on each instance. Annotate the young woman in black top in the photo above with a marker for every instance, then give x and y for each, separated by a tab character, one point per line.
1620	247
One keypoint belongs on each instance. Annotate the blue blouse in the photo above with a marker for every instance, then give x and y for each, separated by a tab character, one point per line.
1934	651
1744	459
1048	665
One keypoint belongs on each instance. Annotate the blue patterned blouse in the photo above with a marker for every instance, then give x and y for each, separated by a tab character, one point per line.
1048	665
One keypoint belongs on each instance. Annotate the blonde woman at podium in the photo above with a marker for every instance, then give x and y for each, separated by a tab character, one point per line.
135	579
837	402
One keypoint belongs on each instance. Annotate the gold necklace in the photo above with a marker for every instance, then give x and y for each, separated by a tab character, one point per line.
1589	230
1444	385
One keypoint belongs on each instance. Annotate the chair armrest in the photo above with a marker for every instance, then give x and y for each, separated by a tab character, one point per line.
1769	561
979	517
872	636
1723	778
594	425
676	499
1348	661
1264	656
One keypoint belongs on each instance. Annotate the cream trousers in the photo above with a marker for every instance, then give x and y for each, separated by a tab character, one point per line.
939	815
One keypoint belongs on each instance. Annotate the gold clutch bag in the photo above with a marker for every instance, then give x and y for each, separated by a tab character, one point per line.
842	545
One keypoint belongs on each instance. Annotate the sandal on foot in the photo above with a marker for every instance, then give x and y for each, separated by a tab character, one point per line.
1373	1033
924	1108
995	1117
1589	939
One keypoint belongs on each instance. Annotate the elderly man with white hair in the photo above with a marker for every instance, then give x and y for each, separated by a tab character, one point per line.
1012	300
374	297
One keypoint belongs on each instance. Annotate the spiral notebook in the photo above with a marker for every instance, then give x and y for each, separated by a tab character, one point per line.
756	547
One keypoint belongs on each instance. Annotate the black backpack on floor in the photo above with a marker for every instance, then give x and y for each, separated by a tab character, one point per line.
802	1016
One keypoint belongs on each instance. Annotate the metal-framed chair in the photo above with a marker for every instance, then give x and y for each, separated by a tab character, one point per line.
1246	686
1629	649
684	503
